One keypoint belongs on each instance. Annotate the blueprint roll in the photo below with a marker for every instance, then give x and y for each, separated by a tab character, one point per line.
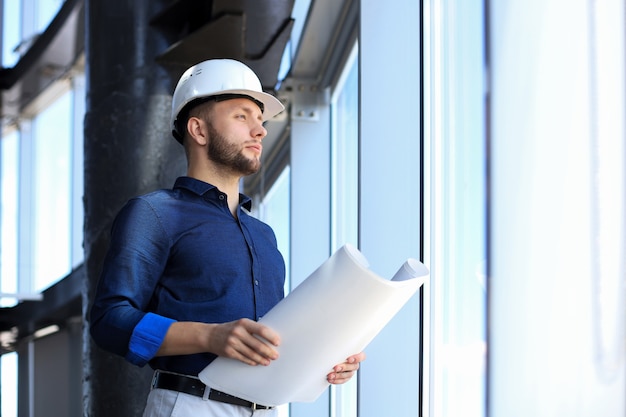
314	338
412	268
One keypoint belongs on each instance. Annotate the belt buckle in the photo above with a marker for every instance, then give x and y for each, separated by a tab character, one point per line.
205	394
155	377
253	406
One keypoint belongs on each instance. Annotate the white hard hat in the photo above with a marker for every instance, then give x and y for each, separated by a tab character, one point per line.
220	77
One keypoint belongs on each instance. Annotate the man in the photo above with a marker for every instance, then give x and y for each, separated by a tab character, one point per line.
189	272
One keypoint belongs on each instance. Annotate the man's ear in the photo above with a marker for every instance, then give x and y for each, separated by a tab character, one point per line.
196	128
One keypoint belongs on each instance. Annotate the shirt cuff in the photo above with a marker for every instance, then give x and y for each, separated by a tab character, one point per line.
147	338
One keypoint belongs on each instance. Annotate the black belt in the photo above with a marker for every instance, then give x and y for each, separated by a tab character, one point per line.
193	386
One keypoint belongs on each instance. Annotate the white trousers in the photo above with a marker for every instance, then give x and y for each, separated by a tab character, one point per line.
166	403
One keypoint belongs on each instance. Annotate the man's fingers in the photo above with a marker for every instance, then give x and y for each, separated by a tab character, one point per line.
268	335
344	371
359	357
246	354
249	342
340	377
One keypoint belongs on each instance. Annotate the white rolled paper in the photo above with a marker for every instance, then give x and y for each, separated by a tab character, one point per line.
412	268
334	313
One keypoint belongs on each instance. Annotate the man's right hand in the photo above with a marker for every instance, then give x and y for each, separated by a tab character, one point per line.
245	340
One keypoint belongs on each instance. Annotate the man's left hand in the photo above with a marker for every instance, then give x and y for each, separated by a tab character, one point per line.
344	371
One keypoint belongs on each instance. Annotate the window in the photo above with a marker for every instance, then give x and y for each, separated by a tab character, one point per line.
455	154
10	32
40	180
52	170
345	155
8	365
344	189
9	168
40	202
42	195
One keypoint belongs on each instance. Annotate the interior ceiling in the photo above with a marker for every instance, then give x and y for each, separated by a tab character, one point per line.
252	31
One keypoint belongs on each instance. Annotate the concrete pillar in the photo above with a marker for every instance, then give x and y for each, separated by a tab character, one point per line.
128	151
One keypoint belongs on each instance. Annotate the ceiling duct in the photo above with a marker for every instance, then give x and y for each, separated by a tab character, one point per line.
252	31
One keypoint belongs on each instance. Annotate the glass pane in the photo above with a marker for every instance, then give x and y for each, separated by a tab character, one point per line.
46	11
345	149
8	395
9	152
455	142
52	152
345	198
10	32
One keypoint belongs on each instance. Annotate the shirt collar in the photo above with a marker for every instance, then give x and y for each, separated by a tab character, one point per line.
201	188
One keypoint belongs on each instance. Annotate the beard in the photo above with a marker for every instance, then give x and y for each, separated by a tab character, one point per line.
228	155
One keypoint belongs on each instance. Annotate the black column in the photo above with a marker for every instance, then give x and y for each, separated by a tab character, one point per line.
128	151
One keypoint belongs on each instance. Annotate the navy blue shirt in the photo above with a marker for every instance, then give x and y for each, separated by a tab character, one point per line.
180	255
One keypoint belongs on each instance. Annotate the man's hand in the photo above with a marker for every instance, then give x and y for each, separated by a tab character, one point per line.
245	340
344	371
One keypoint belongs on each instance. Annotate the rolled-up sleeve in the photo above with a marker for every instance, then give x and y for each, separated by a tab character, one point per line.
147	338
137	255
